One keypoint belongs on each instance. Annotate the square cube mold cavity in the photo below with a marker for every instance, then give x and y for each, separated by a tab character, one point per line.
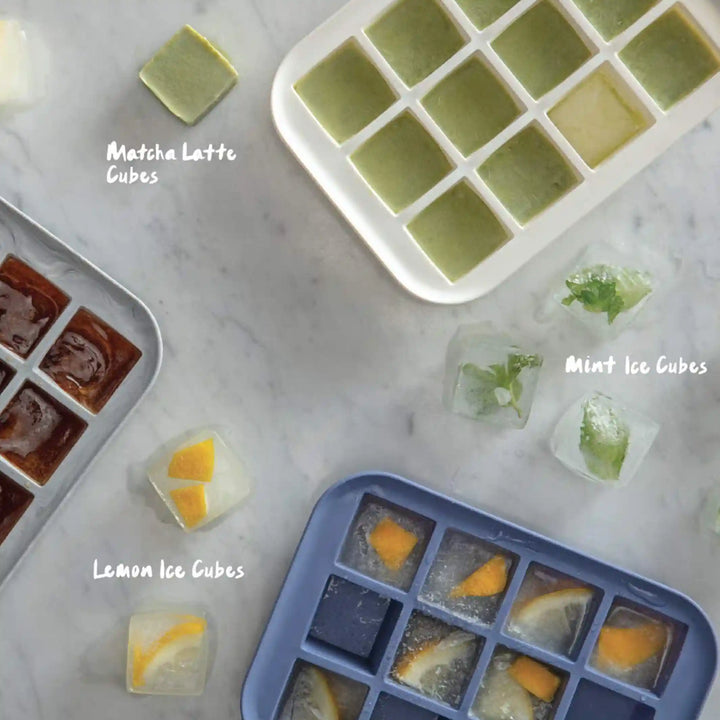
324	134
354	620
286	643
56	285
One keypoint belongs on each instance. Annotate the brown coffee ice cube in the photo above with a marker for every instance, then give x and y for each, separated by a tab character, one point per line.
14	501
6	375
29	305
37	432
89	360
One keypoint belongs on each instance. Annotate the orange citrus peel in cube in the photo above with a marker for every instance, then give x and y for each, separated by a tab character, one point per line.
624	648
191	503
489	579
392	543
535	678
196	462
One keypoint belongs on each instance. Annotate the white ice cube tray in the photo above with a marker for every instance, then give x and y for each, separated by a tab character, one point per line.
385	232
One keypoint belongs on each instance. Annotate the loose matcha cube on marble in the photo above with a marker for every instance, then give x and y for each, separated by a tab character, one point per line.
458	231
472	105
600	116
611	17
401	162
189	75
528	174
415	37
345	92
542	48
671	58
482	13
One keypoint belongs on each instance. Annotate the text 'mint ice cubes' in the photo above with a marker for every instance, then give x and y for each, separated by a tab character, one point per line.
199	478
489	377
603	440
167	653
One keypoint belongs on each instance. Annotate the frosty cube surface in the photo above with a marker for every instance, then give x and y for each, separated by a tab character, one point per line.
196	502
314	693
386	542
489	377
603	440
468	578
167	653
551	611
633	646
515	686
436	659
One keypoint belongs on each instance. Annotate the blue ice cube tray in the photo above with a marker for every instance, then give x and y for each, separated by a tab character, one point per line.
332	616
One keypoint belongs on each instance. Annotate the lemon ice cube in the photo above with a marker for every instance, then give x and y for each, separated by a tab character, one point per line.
167	653
199	478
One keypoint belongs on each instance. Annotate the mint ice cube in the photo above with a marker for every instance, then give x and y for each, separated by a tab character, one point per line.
604	439
608	289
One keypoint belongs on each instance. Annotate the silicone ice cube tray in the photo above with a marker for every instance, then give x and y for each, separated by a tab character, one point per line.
648	92
300	632
79	285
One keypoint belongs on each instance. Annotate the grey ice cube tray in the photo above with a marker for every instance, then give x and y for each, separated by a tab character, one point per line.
90	288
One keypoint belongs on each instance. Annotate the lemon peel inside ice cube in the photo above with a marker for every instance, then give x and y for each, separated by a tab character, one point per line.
191	503
535	678
196	462
554	616
392	543
418	667
314	699
503	699
625	648
186	635
489	579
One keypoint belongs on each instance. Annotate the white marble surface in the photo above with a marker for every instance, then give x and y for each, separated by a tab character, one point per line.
280	325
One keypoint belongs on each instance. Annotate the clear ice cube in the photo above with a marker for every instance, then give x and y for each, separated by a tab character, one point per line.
468	578
502	697
167	653
603	440
633	647
551	611
436	659
199	502
488	377
386	543
314	693
609	285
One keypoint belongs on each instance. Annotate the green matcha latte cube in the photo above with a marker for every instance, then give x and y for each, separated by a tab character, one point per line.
189	75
